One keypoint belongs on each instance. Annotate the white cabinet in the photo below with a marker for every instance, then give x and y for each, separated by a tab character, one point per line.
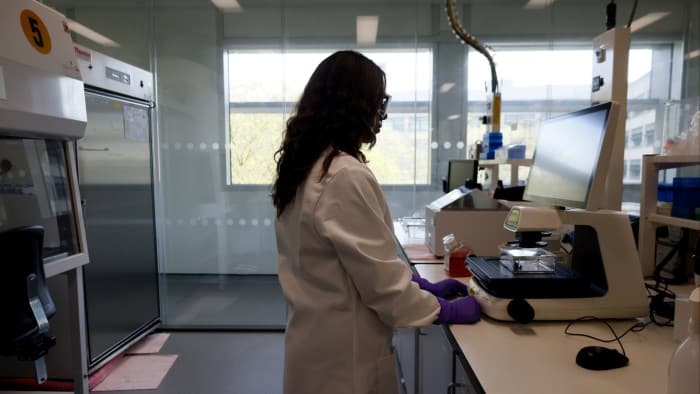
649	219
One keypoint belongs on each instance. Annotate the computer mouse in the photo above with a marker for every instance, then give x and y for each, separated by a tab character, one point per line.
598	358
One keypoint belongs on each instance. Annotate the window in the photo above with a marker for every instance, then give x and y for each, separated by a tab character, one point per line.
649	135
263	88
635	169
542	83
635	137
539	84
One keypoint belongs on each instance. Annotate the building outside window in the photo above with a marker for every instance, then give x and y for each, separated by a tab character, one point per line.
540	84
649	135
635	169
635	137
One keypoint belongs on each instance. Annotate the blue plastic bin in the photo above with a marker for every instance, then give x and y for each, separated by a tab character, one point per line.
665	192
516	151
686	197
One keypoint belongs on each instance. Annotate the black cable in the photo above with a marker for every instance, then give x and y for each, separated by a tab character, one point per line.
678	274
636	327
695	257
664	262
634	9
658	300
610	15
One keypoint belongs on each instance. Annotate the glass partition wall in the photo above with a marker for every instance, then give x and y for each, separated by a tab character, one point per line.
228	78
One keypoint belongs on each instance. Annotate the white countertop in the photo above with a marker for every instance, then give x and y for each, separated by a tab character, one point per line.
539	358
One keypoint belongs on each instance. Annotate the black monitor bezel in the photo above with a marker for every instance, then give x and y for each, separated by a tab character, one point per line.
449	171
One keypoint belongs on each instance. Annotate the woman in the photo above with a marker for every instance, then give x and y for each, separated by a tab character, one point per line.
338	265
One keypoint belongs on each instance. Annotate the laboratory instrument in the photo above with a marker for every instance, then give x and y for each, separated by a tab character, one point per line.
599	273
472	216
114	161
42	111
460	173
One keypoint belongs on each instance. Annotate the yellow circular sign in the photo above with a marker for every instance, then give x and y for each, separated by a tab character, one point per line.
35	31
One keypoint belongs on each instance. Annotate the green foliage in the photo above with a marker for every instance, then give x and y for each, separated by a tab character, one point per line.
256	136
254	140
392	158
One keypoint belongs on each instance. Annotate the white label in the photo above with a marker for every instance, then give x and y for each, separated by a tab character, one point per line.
135	123
3	94
35	35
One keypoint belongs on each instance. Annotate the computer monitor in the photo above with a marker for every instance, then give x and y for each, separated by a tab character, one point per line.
458	171
571	158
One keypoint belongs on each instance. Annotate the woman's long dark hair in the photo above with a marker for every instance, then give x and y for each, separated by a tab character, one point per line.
338	109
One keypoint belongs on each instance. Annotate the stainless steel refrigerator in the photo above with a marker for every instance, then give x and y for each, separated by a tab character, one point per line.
115	176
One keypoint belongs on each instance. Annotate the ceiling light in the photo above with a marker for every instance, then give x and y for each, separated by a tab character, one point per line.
446	87
90	34
537	4
227	5
648	19
693	54
367	27
453	117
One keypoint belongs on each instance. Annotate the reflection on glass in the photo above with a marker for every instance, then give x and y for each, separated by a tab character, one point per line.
116	146
34	190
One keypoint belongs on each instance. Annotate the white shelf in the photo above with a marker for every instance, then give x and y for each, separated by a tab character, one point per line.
649	218
663	162
674	221
512	162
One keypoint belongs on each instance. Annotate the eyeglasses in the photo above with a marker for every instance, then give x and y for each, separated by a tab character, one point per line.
383	107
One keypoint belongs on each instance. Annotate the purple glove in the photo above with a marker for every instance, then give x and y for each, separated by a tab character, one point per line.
447	288
460	311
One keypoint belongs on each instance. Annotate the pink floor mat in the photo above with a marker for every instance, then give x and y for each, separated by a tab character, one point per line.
138	372
419	252
150	344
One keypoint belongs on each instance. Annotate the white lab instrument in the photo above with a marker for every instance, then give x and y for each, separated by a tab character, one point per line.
472	216
600	275
114	177
42	111
604	279
611	57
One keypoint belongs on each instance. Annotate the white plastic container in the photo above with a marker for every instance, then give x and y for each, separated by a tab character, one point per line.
684	370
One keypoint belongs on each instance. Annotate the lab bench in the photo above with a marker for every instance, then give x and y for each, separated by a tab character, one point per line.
502	357
428	357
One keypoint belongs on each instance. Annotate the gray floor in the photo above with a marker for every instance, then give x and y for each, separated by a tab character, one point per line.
220	363
222	301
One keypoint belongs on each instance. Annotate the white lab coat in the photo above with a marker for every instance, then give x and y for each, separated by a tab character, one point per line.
345	285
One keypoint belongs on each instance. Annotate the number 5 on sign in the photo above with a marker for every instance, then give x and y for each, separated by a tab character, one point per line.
35	31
